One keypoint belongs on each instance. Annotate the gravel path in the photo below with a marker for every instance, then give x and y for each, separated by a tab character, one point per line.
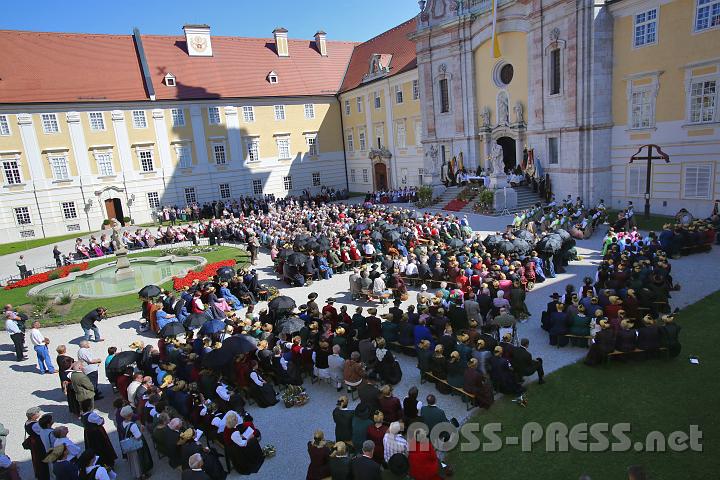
290	429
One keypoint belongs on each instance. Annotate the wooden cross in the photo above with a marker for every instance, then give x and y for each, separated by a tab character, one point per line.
648	176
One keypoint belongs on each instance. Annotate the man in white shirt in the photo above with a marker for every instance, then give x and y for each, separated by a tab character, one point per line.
369	249
40	343
12	326
92	366
411	269
133	387
60	433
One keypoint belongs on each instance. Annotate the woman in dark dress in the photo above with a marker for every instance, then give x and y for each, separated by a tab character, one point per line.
411	406
477	384
96	436
64	363
37	449
244	451
340	462
438	367
319	452
188	447
455	370
343	420
261	390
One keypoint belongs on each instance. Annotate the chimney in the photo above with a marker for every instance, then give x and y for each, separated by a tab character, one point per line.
281	42
197	38
321	43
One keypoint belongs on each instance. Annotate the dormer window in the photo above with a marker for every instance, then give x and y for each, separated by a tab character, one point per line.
272	77
170	80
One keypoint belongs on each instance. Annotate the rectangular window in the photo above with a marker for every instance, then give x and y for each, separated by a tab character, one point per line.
553	151
12	172
257	187
350	142
50	123
316	179
359	102
378	102
146	160
248	114
225	191
68	210
184	156
59	167
178	117
279	112
703	97
444	96
398	94
287	183
698	181
309	111
104	163
312	146
4	125
641	108
219	154
190	196
253	149
366	177
555	71
401	135
347	107
421	175
352	176
22	215
707	14
361	139
636	181
379	135
139	119
284	148
214	115
97	122
153	200
418	133
645	28
416	89
403	176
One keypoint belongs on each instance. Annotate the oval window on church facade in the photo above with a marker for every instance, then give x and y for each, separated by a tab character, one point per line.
506	74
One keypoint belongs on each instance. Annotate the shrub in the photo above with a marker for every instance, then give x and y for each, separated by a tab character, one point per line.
75	268
106	222
425	196
53	275
64	298
39	301
127	220
485	201
466	194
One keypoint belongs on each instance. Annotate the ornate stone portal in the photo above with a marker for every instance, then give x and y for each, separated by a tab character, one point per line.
122	263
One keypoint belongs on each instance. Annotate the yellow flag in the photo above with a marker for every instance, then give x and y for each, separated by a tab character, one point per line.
496	42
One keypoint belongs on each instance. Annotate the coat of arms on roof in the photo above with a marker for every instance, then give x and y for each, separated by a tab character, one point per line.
379	66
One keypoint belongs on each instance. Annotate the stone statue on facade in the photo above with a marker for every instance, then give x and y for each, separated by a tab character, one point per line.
518	109
485	114
496	160
116	234
433	154
502	106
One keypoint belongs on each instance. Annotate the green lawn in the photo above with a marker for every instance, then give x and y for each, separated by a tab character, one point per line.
654	223
8	248
658	394
117	305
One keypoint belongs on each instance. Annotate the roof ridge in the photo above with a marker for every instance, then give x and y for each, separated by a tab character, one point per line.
388	31
67	34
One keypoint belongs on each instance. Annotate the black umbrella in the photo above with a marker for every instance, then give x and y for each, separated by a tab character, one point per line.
172	329
549	244
525	235
296	259
284	253
567	240
377	236
282	302
217	359
301	243
239	344
392	235
225	273
456	243
492	241
506	247
290	325
313	245
324	243
150	291
122	360
522	246
195	320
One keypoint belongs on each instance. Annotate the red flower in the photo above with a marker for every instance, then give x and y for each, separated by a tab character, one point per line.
208	271
61	272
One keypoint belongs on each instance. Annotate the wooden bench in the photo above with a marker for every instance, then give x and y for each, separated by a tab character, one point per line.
369	296
568	335
618	353
700	248
467	397
406	349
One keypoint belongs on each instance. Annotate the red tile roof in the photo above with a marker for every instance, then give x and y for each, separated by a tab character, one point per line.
41	67
395	42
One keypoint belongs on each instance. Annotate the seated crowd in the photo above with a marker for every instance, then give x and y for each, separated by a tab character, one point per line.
401	195
569	215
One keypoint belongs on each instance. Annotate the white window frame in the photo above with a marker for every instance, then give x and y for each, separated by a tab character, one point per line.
365	176
362	140
560	46
350	139
50	123
97	121
359	103
104	161
647	22
377	101
642	107
279	112
17	211
283	143
255	184
705	6
313	148
190	195
248	113
347	107
69	211
214	117
353	177
440	95
416	89
146	155
708	175
703	108
287	183
252	148
636	178
399	99
401	134
183	153
219	153
139	119
557	150
5	126
221	188
12	172
178	117
153	199
170	80
309	109
316	180
59	166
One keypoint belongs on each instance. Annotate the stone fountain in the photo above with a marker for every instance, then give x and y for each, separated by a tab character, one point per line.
505	198
122	264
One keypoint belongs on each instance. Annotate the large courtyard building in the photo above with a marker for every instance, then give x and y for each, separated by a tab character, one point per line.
100	126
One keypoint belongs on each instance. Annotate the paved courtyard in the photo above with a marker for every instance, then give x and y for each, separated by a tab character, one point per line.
290	429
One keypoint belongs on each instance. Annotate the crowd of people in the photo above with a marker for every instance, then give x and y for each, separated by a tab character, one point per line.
401	195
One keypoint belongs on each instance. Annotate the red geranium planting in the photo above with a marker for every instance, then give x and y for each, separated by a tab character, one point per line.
207	272
455	205
61	272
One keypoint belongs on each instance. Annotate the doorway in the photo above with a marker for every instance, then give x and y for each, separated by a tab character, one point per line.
115	210
381	180
508	146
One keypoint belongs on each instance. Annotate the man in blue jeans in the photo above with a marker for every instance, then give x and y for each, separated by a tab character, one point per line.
40	343
88	323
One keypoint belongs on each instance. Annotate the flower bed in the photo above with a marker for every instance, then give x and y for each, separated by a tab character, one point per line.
455	205
208	271
61	272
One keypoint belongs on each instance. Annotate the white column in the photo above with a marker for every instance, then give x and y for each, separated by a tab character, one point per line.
232	121
123	141
32	149
79	146
163	142
198	129
390	140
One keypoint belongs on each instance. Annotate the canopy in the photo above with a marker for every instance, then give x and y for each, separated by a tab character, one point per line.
172	329
149	291
282	302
